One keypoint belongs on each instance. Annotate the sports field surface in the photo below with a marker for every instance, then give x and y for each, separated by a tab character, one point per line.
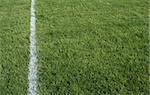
84	47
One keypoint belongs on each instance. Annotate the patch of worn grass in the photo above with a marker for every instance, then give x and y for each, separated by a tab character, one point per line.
93	47
14	33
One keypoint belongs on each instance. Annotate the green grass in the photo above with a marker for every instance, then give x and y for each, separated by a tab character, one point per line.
14	33
85	47
93	47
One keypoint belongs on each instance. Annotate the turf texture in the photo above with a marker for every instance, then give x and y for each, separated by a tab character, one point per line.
85	47
93	47
14	43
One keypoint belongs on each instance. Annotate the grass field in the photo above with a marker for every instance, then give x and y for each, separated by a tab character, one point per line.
14	34
85	47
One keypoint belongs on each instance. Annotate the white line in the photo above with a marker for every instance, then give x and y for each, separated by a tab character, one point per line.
32	75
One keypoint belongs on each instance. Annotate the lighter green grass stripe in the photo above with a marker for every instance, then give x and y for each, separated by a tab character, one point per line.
32	75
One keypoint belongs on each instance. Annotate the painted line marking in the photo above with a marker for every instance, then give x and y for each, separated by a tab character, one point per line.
32	75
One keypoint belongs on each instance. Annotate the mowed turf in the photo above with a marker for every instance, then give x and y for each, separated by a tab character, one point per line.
85	47
14	34
92	47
